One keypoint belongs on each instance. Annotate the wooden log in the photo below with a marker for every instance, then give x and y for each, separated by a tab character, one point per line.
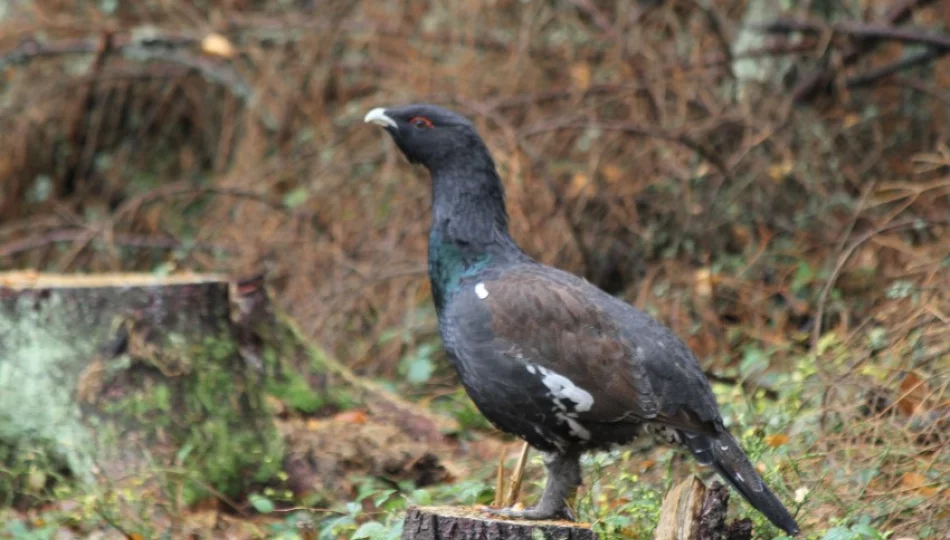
690	511
679	515
452	523
129	379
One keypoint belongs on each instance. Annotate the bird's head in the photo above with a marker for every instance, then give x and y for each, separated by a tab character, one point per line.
428	135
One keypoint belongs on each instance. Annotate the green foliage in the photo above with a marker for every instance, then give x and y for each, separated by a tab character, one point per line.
261	503
459	406
297	197
291	388
860	530
18	529
618	502
417	366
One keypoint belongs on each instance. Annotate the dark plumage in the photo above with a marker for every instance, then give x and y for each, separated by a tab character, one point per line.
544	354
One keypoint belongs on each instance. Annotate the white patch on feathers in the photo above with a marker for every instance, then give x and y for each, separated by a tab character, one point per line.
576	428
480	291
562	388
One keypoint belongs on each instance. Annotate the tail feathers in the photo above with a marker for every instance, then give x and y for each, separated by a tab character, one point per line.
725	455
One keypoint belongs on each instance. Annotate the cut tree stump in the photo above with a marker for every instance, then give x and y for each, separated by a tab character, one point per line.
453	523
690	511
127	378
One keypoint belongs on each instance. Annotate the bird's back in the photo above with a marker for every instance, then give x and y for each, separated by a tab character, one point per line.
506	321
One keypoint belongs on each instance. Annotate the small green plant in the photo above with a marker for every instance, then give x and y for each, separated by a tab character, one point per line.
860	530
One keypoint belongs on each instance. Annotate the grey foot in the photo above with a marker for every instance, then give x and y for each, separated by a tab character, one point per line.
533	513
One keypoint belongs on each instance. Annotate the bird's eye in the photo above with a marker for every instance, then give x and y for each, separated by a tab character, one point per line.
421	122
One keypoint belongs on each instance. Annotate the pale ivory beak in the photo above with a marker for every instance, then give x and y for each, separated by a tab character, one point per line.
378	116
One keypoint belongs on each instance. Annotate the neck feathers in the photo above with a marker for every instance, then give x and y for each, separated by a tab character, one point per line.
468	206
469	223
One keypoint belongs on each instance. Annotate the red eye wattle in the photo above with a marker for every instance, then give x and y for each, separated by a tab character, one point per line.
421	122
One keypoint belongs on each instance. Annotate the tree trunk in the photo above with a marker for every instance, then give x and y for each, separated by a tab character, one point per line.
129	378
447	523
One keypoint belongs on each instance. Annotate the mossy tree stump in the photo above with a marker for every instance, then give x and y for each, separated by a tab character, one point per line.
119	377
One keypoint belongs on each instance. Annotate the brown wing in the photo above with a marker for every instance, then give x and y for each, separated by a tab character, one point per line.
558	325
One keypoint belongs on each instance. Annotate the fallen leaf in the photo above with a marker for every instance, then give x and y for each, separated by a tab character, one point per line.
779	171
351	417
851	120
580	74
218	45
776	440
612	173
913	391
703	278
578	182
913	480
917	482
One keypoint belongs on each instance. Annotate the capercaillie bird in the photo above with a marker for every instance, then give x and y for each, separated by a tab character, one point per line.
544	354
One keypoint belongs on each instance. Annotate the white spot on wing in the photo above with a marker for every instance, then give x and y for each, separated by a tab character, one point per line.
576	428
563	388
480	291
531	369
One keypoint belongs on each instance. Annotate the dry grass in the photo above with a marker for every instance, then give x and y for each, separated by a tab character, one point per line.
628	155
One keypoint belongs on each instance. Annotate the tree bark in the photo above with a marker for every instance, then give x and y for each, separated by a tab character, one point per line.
448	523
129	378
690	511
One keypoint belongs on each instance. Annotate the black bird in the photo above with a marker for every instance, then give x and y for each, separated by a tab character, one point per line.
544	354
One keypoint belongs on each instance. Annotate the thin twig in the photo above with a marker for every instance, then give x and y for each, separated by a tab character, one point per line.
632	129
33	242
811	84
597	16
861	30
178	190
839	266
872	76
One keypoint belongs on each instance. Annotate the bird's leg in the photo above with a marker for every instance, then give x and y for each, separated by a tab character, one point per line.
564	476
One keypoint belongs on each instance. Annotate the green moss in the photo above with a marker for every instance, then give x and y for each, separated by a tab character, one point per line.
286	361
188	414
296	394
233	443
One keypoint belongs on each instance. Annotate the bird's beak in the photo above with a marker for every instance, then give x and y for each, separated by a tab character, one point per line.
378	116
